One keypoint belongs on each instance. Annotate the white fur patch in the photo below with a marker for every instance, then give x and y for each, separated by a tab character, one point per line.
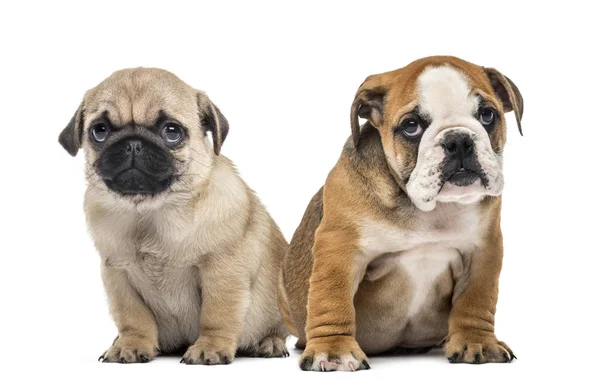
445	96
424	265
453	226
345	362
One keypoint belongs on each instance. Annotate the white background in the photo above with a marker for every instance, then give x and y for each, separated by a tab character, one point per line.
285	76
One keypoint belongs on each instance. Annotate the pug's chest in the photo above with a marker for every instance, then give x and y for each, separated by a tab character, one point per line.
170	288
165	268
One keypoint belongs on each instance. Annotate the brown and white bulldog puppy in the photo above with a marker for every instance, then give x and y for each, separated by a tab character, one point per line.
190	257
401	249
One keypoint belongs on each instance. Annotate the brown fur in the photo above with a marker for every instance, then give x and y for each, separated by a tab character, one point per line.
340	301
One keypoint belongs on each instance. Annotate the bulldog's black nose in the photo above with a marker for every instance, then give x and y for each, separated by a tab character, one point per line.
459	146
133	147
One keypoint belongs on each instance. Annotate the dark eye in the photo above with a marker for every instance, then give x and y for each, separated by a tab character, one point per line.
172	133
487	116
99	132
411	128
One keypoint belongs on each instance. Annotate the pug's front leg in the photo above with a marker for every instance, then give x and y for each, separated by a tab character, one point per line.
138	333
225	301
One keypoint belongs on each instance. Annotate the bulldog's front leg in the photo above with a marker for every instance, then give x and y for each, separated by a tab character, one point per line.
471	337
330	325
138	333
225	301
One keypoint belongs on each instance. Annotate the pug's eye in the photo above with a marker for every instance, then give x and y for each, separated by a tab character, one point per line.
172	133
411	128
99	132
487	116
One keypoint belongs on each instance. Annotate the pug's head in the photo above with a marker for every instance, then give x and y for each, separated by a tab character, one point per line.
145	135
442	127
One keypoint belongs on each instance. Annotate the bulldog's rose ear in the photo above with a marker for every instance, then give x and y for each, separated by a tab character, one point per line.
71	137
367	104
212	120
508	93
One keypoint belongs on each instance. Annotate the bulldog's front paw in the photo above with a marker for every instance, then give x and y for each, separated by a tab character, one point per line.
210	351
130	349
332	353
463	348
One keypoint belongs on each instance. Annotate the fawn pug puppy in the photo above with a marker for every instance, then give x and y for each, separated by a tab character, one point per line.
190	257
402	248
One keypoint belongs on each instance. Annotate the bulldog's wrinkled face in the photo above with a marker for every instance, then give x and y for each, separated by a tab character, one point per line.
144	135
442	126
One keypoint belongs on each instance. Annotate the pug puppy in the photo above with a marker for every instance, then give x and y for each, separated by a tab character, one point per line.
190	257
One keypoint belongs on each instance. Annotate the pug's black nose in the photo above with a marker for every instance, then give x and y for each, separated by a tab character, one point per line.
458	146
133	147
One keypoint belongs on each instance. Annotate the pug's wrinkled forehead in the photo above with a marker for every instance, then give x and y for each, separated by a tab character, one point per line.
139	96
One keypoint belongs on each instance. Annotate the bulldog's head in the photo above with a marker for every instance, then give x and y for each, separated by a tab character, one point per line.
441	121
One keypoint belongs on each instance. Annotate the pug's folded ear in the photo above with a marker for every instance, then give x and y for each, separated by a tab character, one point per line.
508	93
71	137
212	120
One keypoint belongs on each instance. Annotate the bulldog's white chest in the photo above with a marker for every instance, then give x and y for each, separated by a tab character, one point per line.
427	256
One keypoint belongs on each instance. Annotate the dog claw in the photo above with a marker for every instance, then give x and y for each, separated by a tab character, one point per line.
351	366
306	363
182	360
101	358
322	365
366	365
453	358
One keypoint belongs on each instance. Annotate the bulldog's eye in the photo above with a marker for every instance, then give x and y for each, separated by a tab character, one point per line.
172	133
487	117
411	128
99	132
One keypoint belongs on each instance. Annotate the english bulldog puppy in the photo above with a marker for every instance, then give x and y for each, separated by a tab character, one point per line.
401	249
190	257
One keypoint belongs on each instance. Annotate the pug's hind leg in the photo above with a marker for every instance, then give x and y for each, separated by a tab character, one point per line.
271	346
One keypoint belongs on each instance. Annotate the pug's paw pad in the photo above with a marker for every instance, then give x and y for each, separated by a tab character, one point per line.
209	352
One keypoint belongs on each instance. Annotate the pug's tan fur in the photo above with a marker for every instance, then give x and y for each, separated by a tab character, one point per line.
195	266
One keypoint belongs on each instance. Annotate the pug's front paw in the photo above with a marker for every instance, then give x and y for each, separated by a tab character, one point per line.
210	351
130	349
333	353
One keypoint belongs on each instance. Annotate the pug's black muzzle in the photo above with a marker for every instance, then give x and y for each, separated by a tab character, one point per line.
136	166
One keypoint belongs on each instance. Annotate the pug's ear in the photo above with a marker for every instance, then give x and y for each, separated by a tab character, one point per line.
508	93
212	120
367	104
70	138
